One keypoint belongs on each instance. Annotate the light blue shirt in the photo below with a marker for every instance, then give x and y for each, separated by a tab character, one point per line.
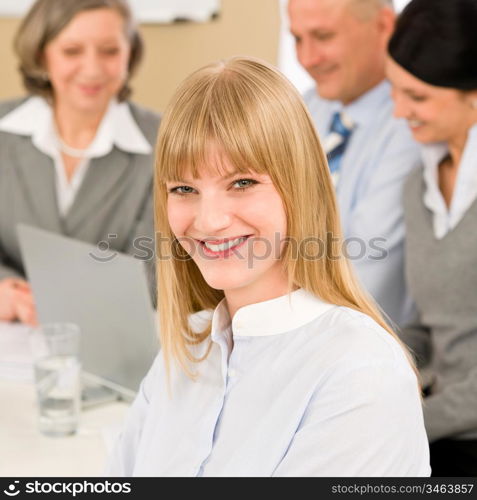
292	387
379	156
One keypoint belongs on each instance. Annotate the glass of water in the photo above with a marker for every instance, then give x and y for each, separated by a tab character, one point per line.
57	367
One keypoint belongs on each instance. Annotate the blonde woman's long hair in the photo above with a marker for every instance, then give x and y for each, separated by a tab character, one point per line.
260	123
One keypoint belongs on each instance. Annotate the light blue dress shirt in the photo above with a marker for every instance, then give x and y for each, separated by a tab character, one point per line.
292	387
379	156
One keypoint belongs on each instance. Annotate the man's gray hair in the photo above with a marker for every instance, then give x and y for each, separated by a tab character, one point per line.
378	3
364	8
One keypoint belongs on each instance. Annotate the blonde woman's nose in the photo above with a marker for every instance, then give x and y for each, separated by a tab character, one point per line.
213	215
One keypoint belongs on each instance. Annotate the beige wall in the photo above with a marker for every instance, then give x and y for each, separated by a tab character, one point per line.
245	27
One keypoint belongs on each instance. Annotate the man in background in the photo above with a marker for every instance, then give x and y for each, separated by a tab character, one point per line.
343	44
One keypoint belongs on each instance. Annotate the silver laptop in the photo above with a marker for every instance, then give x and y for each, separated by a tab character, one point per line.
108	299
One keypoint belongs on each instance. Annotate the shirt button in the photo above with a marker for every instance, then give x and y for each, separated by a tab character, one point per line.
232	372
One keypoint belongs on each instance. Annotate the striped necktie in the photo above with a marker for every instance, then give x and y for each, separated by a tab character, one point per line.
336	142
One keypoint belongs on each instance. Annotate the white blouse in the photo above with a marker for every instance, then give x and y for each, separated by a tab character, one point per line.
465	191
34	118
292	387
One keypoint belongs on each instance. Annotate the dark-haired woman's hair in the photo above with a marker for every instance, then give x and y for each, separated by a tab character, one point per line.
436	41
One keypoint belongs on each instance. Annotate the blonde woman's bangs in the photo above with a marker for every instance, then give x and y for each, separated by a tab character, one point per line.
224	118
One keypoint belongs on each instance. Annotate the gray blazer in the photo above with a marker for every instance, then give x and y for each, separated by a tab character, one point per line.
115	197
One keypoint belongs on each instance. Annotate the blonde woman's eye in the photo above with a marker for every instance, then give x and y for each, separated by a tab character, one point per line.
243	184
181	190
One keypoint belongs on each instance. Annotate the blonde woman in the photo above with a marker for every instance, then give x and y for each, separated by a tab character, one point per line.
274	363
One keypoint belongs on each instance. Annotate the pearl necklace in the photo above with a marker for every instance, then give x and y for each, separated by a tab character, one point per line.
73	152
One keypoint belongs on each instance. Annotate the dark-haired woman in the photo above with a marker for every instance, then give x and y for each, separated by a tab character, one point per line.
434	76
76	157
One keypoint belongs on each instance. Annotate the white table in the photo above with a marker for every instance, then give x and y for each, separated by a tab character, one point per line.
24	451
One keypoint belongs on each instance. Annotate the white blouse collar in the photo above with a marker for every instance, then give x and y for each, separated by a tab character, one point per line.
465	191
34	118
271	317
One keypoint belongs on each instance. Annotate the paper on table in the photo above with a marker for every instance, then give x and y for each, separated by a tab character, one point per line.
110	434
16	361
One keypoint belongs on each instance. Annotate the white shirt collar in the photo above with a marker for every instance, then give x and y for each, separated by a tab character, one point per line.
34	118
271	317
465	191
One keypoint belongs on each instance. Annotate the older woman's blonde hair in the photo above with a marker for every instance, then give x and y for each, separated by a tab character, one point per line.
259	122
45	20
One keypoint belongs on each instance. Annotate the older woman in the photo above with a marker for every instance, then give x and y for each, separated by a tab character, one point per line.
287	368
433	71
76	156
